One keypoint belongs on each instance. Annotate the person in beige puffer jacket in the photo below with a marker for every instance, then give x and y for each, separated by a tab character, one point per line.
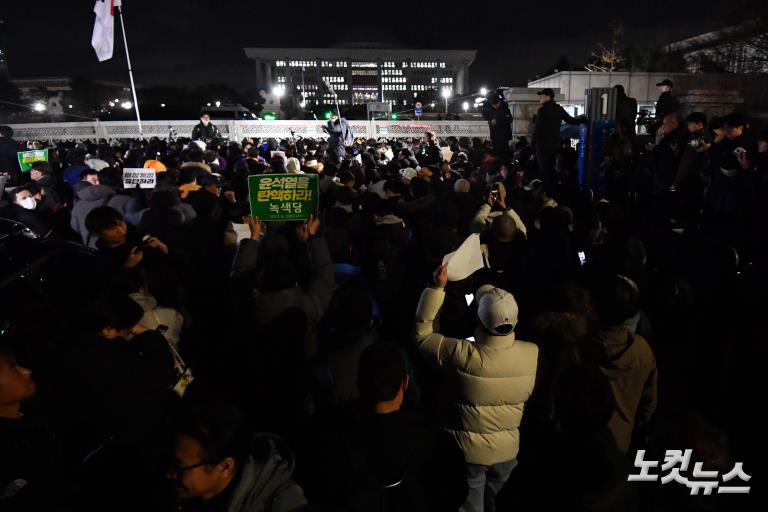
487	383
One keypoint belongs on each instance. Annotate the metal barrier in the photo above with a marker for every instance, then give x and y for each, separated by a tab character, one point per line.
237	130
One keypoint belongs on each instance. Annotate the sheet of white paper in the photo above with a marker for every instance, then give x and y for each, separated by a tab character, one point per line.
242	230
465	260
447	153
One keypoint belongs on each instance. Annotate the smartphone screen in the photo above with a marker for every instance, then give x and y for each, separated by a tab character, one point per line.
582	257
469	298
471	338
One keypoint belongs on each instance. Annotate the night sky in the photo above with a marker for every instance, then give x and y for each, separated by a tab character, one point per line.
197	42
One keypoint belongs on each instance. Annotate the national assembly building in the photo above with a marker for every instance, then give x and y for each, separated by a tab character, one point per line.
362	75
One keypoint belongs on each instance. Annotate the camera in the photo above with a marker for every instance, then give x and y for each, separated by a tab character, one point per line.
495	192
698	144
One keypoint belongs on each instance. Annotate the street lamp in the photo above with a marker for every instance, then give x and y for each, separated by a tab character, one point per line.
162	105
127	105
465	106
218	103
446	95
38	107
483	91
278	91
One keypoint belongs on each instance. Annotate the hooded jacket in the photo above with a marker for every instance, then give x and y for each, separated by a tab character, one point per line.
486	384
628	362
155	316
89	197
266	480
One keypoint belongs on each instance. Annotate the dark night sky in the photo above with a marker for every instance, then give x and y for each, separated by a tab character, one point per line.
195	42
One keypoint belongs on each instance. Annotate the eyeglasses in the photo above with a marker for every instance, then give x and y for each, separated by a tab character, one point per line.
179	470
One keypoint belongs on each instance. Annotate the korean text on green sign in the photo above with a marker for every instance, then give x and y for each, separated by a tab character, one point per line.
27	158
283	196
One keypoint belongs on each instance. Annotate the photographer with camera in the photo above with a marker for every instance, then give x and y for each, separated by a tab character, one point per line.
496	112
693	160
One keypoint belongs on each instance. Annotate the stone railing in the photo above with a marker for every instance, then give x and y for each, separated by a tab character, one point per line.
237	130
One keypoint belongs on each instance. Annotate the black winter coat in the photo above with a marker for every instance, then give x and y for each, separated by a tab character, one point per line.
502	128
546	134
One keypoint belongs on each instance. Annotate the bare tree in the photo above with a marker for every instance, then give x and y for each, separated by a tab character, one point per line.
608	58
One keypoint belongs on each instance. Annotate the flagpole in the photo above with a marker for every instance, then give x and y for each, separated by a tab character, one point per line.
119	5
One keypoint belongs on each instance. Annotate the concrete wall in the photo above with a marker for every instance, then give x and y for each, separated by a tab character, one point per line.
751	88
573	84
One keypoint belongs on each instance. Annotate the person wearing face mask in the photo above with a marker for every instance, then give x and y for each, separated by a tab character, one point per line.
205	130
26	211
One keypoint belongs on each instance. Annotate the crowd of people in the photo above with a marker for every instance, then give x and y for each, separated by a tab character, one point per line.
163	348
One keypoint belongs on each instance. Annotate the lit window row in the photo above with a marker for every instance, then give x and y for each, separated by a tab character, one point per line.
358	64
394	87
388	64
386	72
365	88
307	87
447	80
393	79
418	87
281	79
364	72
334	79
423	65
442	64
302	63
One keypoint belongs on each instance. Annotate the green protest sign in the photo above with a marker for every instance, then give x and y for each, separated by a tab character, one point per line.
27	158
283	196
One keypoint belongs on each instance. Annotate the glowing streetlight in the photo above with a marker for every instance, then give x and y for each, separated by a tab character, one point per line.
278	91
465	106
446	94
38	107
111	103
70	106
218	103
208	104
162	105
483	91
127	105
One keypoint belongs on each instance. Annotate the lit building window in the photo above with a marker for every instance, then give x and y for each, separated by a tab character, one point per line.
359	64
442	64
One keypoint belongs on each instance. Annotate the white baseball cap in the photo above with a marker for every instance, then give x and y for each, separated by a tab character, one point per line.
496	308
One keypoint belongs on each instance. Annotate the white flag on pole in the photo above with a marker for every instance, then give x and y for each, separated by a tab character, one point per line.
103	38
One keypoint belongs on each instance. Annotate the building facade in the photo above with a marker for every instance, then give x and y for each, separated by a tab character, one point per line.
362	75
739	49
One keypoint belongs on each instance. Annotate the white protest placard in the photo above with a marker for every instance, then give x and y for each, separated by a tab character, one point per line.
144	178
465	260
